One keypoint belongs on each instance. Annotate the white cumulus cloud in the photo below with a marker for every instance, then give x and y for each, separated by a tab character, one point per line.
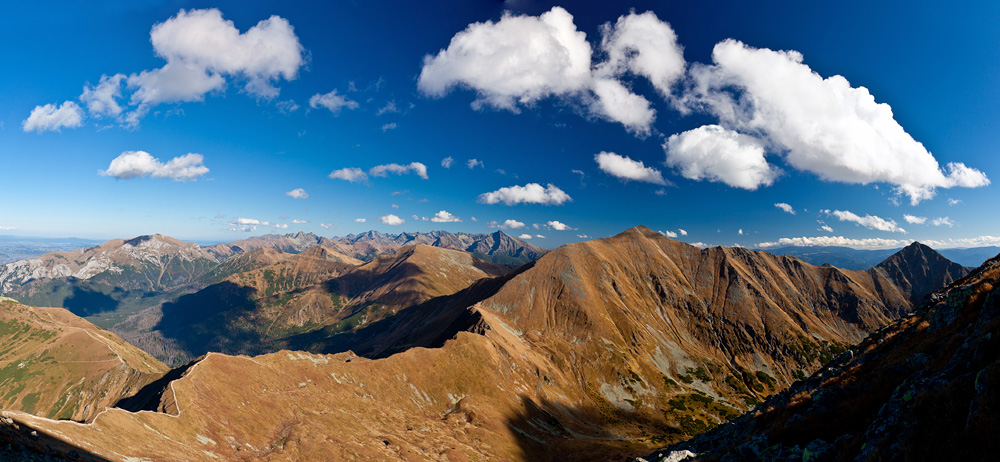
299	222
823	126
391	220
473	163
201	47
718	154
445	217
360	220
524	236
914	219
134	164
203	53
517	60
202	50
520	60
53	118
297	193
625	168
447	161
531	193
558	226
683	233
643	45
669	234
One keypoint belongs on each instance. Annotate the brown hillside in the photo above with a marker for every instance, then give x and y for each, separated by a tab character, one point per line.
54	364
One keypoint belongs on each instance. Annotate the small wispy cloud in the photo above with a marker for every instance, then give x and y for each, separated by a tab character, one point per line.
507	224
297	193
868	221
787	208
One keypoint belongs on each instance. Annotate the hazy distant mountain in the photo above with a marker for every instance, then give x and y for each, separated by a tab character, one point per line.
14	248
925	388
920	270
971	257
841	257
54	364
496	247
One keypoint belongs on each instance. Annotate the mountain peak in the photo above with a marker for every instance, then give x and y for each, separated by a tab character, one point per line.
920	270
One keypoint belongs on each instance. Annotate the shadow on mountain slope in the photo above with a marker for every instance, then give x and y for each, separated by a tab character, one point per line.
543	432
429	324
84	302
150	397
196	320
21	443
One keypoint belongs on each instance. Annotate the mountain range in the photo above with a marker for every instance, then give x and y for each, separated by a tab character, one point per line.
114	280
596	350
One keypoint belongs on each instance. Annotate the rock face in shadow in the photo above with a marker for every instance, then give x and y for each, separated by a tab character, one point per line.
20	443
920	270
923	388
598	350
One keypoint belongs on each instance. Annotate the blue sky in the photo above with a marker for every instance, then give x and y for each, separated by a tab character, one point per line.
722	138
